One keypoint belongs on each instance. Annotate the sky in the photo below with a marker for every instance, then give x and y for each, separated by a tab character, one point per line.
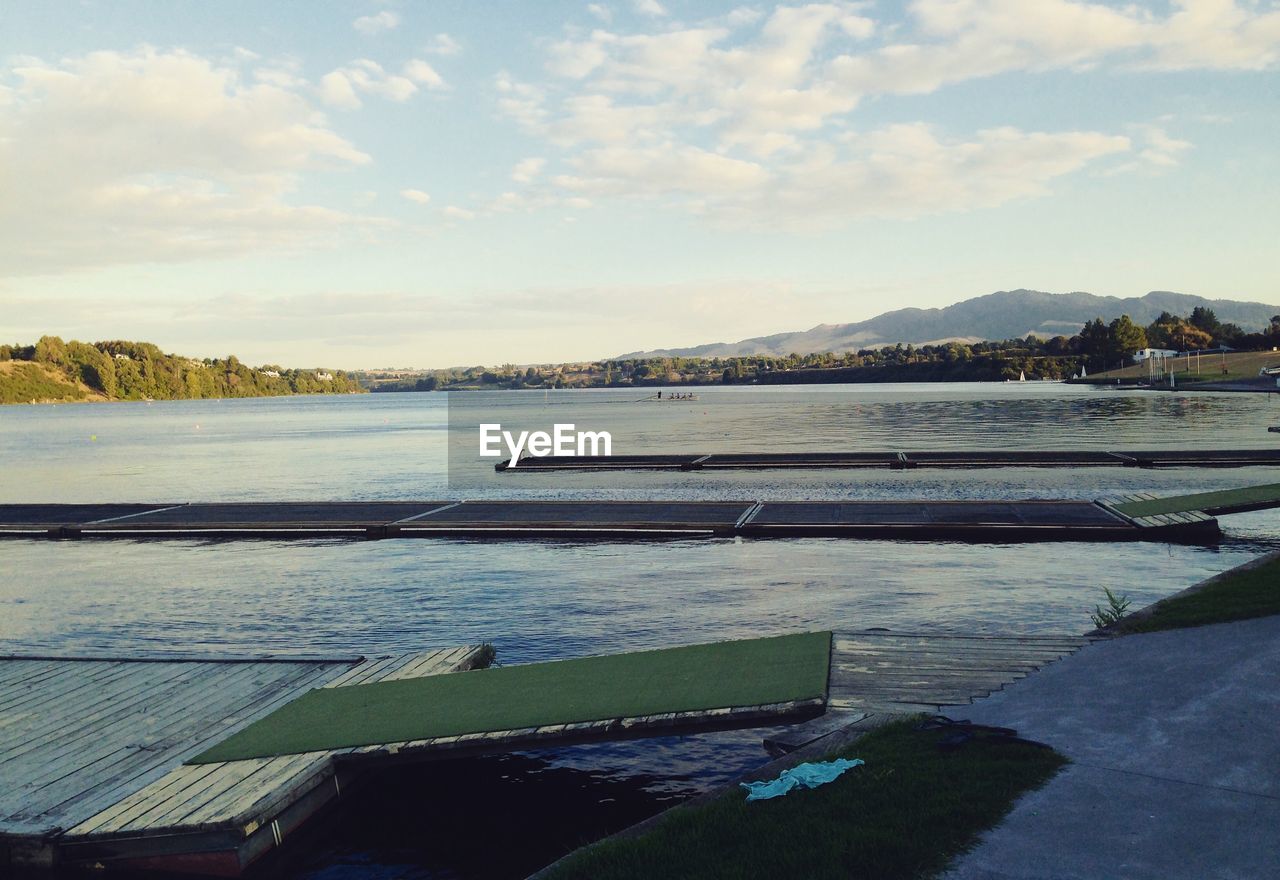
385	184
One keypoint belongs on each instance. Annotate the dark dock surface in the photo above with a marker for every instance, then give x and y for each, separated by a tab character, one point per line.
979	521
902	460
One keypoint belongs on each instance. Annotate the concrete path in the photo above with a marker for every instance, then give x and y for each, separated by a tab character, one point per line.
1174	739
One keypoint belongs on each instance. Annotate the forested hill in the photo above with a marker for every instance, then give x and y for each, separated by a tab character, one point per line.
1010	314
53	370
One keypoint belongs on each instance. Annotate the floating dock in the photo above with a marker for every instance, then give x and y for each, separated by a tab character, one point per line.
115	762
978	521
996	458
91	754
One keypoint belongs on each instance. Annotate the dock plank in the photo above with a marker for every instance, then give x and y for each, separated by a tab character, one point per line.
884	671
237	794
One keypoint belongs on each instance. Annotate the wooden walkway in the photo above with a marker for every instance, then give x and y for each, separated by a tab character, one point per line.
901	460
91	756
878	672
980	521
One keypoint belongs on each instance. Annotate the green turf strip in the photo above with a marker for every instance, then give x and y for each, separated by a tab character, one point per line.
1203	501
751	672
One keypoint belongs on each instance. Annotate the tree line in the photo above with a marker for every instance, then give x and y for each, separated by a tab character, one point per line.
121	370
1097	347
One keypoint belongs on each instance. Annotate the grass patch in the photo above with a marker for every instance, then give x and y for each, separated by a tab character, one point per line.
1241	366
1202	500
906	814
25	382
748	672
1235	595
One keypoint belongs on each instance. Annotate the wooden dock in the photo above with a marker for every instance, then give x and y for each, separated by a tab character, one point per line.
901	460
974	521
881	672
92	751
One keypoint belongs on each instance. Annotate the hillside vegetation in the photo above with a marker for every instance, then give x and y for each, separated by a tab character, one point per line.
1012	314
1097	347
53	370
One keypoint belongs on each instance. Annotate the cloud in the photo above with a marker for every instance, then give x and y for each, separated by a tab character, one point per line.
370	25
600	11
453	212
527	169
1159	152
898	171
149	155
421	72
757	109
443	44
415	195
649	7
343	87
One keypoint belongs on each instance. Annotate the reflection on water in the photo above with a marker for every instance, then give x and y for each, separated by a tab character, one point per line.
547	600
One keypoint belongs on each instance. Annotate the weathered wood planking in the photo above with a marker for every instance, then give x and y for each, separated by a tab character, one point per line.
882	671
244	794
91	751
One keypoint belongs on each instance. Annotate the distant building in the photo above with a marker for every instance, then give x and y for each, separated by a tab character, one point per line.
123	357
1144	354
272	373
324	377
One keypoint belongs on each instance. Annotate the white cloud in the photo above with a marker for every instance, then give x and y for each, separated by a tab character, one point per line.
443	44
1159	152
152	156
453	212
343	87
369	25
751	111
897	171
527	169
522	102
600	11
415	195
649	7
421	72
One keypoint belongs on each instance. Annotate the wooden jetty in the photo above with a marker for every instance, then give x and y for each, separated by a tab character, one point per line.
97	755
900	460
878	672
975	521
92	751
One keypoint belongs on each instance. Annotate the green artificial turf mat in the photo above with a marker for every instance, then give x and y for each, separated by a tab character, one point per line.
751	672
1202	501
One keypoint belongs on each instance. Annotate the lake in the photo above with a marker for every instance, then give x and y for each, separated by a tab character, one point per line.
543	600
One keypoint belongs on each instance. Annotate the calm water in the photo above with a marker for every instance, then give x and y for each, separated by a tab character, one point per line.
548	600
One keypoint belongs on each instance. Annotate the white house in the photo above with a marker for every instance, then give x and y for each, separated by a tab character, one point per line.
1144	354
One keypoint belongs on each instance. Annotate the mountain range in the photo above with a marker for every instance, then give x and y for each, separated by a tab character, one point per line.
1009	314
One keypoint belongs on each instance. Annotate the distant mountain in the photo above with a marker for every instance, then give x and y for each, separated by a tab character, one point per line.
1005	315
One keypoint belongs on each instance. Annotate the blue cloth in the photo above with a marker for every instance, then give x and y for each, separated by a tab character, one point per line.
800	776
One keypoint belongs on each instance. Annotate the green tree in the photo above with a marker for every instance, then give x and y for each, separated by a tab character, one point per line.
1126	337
